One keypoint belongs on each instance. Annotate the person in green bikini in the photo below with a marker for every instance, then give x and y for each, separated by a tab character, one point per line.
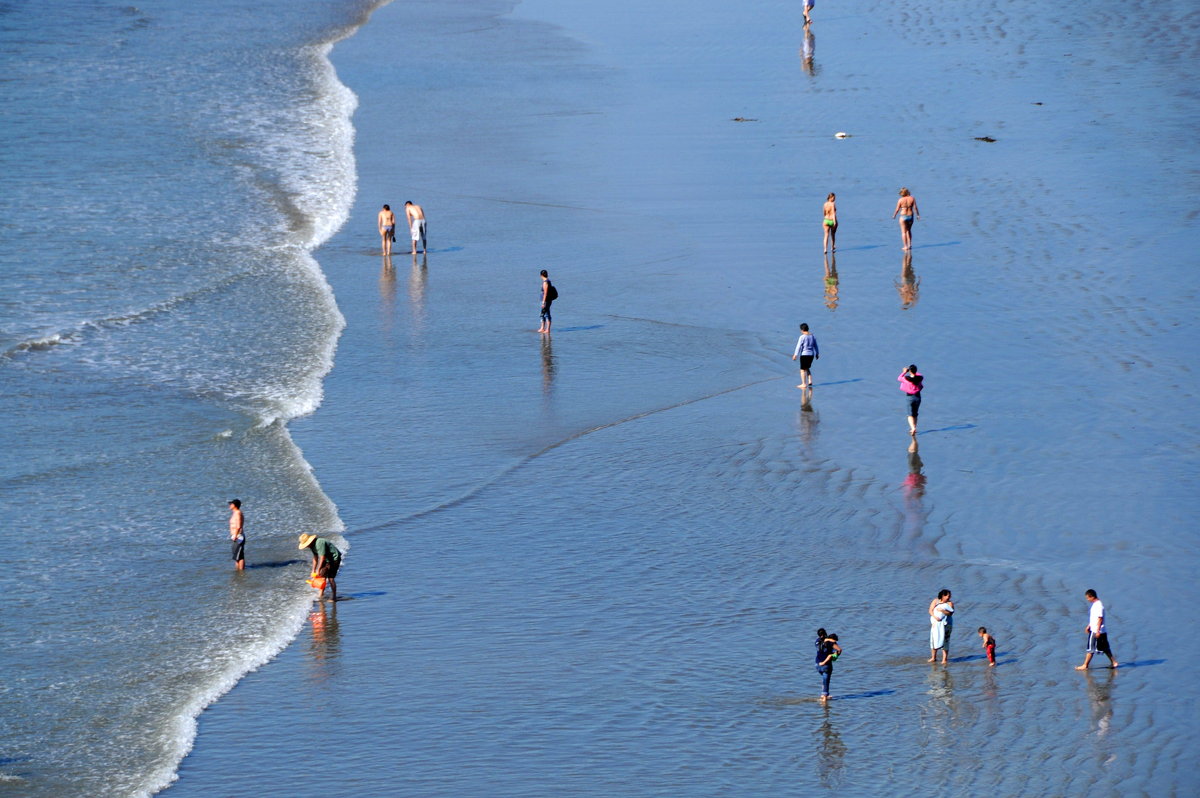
831	222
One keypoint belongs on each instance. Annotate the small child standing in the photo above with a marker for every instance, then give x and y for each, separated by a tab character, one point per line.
989	645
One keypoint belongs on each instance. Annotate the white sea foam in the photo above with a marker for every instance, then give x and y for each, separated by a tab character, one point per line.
316	169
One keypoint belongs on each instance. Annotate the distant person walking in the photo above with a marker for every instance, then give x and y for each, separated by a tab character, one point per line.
828	650
416	225
808	7
941	624
326	560
387	229
549	294
237	535
1097	633
807	351
906	208
830	223
912	383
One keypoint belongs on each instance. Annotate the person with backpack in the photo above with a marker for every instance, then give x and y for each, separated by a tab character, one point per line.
828	650
549	294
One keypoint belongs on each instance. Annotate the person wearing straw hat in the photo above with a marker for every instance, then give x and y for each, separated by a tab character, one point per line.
326	560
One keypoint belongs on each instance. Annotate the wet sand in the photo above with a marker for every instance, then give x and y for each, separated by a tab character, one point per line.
592	563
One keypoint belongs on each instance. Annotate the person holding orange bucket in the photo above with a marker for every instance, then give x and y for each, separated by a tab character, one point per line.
326	560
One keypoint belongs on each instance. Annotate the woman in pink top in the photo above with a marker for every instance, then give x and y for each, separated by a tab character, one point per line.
911	382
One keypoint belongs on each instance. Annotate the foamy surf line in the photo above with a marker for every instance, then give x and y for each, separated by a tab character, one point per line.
330	200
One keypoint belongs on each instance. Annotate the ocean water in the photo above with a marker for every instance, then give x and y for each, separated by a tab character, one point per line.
591	564
167	171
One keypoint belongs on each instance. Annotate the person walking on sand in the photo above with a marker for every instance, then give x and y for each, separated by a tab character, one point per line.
808	7
387	229
416	225
830	223
828	650
807	351
989	646
549	294
912	383
906	207
1097	633
237	536
326	560
941	624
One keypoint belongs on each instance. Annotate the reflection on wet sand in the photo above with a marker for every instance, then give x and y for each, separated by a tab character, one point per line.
325	643
831	752
807	49
915	514
548	366
831	282
806	419
909	284
387	293
418	279
1099	693
940	715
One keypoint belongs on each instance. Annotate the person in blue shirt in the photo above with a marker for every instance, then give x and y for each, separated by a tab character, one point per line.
807	351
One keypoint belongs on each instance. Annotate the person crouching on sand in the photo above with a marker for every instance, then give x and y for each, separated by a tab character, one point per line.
326	560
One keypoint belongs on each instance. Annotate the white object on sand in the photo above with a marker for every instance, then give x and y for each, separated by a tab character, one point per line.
841	134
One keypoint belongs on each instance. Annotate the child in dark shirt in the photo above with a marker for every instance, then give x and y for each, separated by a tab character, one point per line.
989	645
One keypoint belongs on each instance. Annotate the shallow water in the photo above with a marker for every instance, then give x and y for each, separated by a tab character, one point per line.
593	564
167	172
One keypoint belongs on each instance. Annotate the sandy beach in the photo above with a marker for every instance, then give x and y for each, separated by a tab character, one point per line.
592	563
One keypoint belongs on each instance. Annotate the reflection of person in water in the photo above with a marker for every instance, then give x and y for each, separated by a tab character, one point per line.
1099	693
831	282
548	365
325	642
806	52
914	483
909	285
831	752
913	517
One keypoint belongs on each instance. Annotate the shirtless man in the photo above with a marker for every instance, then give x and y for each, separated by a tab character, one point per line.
831	221
387	229
237	538
906	207
416	225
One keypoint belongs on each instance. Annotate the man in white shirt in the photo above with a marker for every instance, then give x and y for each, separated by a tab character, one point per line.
1097	633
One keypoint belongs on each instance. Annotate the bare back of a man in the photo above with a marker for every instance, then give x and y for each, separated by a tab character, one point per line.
416	225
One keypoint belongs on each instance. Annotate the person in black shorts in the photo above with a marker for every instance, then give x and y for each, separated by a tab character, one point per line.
807	351
237	537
